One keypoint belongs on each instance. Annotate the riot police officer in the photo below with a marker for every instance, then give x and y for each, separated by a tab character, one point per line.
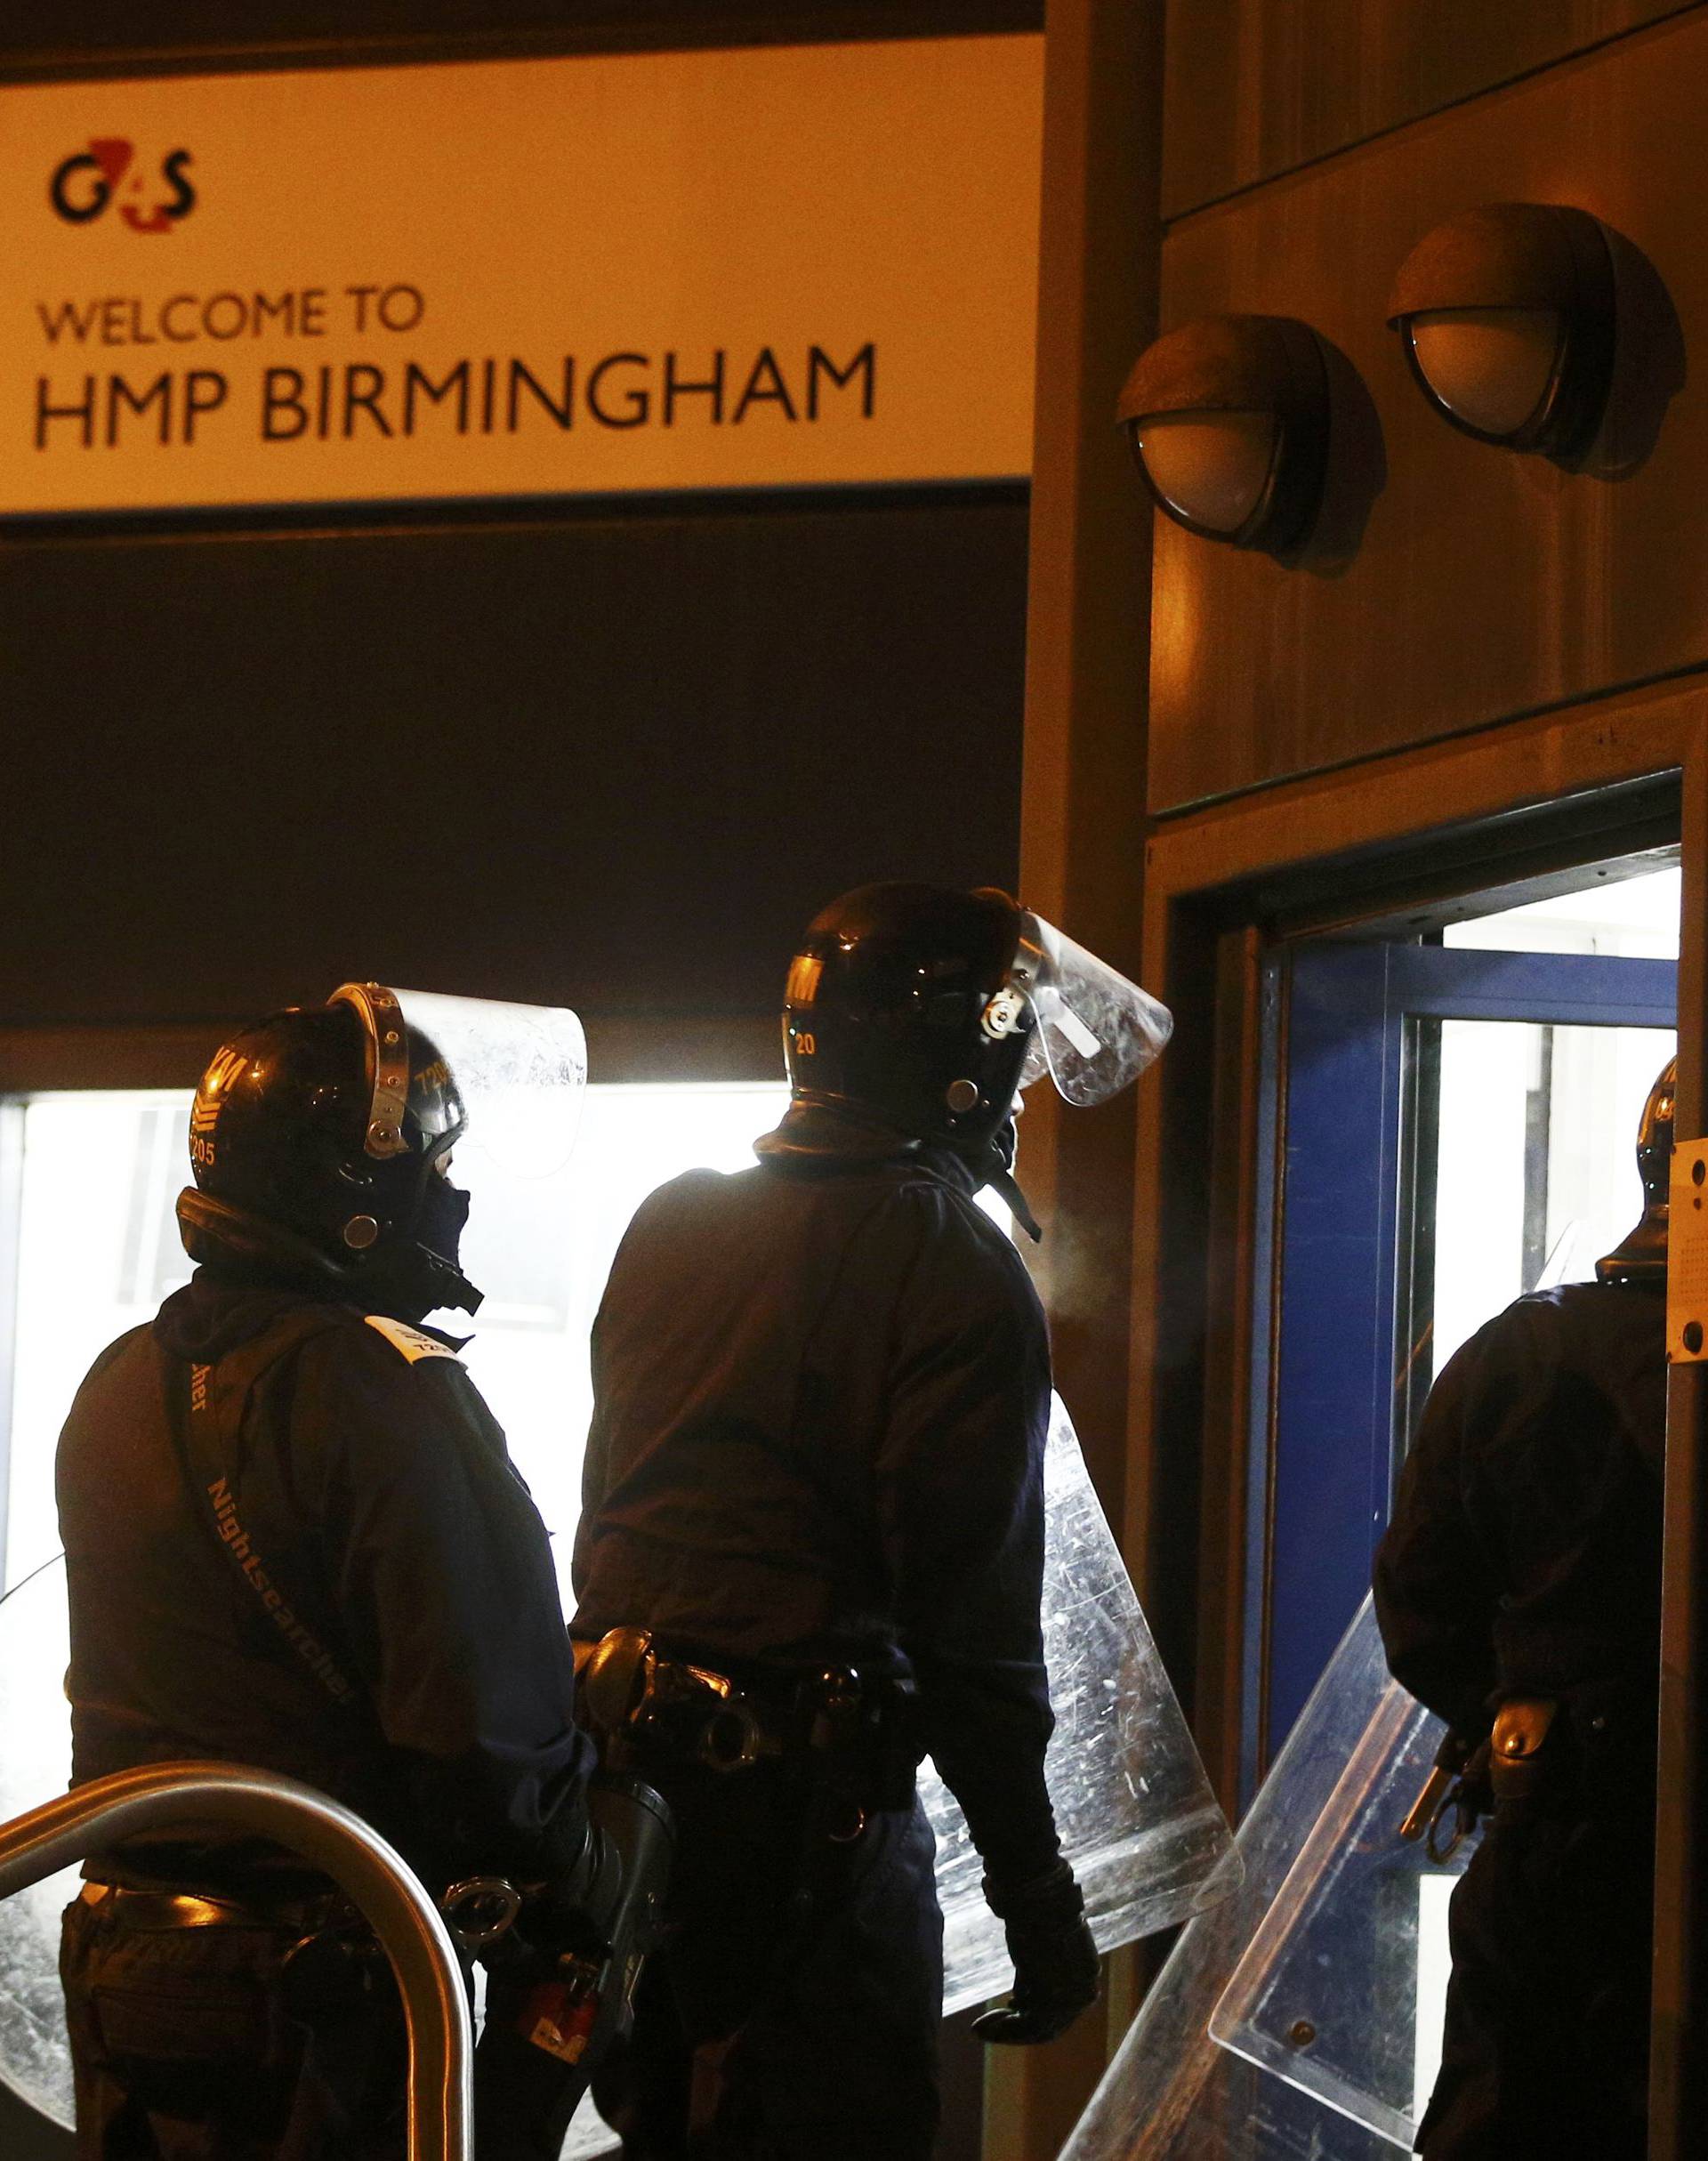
814	1480
1519	1592
294	1539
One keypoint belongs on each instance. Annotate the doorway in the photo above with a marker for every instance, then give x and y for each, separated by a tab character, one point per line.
1395	850
1453	1124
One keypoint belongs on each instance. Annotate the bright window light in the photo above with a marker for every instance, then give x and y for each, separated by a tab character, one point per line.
1536	1176
1434	1965
543	1267
98	1251
1536	1172
1637	918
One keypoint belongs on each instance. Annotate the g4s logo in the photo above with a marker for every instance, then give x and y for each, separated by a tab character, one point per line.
84	183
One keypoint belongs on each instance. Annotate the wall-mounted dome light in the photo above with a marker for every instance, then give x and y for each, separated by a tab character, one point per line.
1507	315
1227	417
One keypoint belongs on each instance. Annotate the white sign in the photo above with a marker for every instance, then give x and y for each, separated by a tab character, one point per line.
777	266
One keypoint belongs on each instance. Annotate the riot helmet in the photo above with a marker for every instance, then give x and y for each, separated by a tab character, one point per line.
317	1142
1640	1255
929	1010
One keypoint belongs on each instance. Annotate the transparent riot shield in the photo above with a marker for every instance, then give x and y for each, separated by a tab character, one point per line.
1137	1816
35	1767
1341	1990
522	1071
1327	1958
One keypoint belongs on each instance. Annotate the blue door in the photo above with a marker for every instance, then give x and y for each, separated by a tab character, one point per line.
1379	1055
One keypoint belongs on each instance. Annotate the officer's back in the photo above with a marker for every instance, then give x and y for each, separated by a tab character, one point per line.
815	1471
327	1662
1519	1592
294	1539
776	1468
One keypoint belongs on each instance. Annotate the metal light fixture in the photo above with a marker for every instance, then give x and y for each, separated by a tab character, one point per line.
1507	315
1227	417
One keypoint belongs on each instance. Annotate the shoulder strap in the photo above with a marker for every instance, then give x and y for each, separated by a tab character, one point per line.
194	1421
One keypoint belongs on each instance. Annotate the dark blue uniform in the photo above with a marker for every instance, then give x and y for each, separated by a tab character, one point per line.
394	1637
1524	1559
821	1396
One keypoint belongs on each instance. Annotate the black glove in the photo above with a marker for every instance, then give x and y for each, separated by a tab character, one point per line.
1055	1959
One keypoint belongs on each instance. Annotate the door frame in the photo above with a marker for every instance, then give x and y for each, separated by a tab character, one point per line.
1385	843
1347	1333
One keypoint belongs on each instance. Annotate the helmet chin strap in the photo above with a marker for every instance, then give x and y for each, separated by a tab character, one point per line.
414	1280
406	1275
449	1285
994	1167
441	1211
1004	1184
420	1267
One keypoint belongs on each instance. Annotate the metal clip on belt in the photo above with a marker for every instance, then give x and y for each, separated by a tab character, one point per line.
479	1911
632	1695
1454	1795
1518	1770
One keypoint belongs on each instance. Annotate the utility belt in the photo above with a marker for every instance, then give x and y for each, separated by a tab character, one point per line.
851	1737
153	1911
325	1927
567	2005
1590	1754
328	1952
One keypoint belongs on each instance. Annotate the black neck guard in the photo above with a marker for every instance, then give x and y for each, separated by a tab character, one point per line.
814	1136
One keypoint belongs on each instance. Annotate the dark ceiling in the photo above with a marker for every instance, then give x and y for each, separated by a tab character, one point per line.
118	36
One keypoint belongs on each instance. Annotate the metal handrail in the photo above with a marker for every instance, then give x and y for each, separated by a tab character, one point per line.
334	1841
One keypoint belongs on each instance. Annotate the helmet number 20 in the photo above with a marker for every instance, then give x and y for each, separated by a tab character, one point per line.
805	1043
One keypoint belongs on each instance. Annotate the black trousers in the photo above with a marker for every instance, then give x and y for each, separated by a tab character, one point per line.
1546	2042
186	2045
793	2012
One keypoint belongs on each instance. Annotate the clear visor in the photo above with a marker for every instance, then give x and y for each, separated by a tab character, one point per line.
520	1071
1096	1030
1131	1799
